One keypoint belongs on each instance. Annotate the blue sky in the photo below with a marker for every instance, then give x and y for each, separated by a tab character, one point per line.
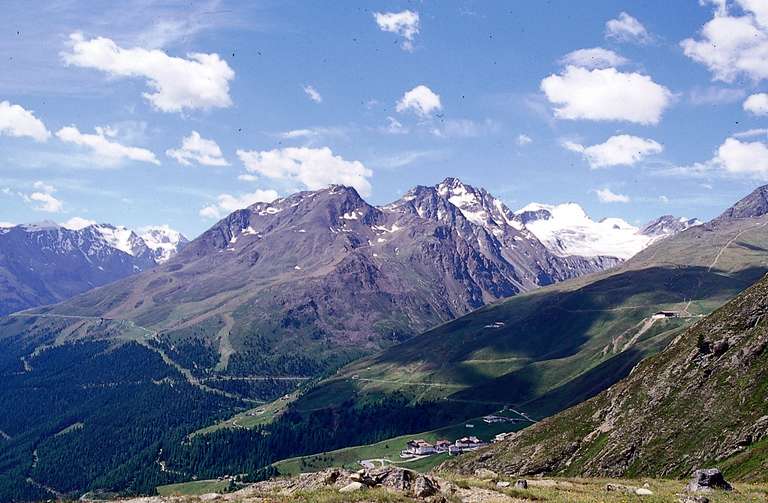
662	114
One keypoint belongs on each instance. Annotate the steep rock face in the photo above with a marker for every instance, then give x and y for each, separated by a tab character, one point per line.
753	205
46	263
701	402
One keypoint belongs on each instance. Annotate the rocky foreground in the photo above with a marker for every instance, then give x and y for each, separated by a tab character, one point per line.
394	484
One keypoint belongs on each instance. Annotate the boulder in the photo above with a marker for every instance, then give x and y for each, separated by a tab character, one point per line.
423	487
521	484
621	488
486	474
352	487
394	478
503	484
643	491
708	480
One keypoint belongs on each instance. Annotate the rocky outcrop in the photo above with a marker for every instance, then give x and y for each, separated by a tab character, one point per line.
708	480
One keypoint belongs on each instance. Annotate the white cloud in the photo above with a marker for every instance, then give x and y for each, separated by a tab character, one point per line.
757	104
42	199
715	95
312	93
77	223
394	126
625	28
16	121
421	100
596	57
195	148
199	82
731	46
606	94
606	195
405	24
524	139
227	203
314	168
105	150
750	133
743	158
465	128
6	225
733	158
313	133
619	150
245	177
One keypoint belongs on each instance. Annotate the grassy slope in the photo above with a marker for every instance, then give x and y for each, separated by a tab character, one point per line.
682	409
559	490
565	337
389	449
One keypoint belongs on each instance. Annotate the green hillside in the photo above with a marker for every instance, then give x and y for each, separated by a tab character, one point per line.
699	403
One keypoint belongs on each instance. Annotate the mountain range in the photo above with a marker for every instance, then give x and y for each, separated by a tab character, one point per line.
280	293
45	263
328	272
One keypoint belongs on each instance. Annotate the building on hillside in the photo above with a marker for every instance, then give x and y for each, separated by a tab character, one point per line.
419	448
503	436
469	443
442	445
666	314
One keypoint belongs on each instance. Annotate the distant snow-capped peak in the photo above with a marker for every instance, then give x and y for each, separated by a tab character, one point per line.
163	241
566	229
160	241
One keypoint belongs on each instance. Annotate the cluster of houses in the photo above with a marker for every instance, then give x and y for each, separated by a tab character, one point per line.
423	448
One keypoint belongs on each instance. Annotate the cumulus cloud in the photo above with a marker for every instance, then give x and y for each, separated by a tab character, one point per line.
420	100
743	158
619	150
606	195
404	24
201	81
312	93
77	223
625	28
103	148
227	203
757	104
733	46
524	139
42	198
195	148
734	157
606	94
596	57
16	121
314	168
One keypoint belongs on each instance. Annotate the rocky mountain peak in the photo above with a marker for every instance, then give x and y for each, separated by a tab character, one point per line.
667	225
754	205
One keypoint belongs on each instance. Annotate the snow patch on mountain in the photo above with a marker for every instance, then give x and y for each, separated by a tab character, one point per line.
163	241
566	229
